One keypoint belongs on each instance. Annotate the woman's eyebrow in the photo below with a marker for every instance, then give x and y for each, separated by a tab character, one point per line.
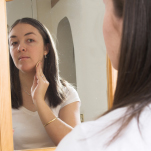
14	36
29	33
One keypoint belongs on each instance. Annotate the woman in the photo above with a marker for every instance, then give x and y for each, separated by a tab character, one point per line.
126	127
45	107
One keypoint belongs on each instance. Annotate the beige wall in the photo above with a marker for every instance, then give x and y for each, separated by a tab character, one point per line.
16	9
86	19
65	49
54	2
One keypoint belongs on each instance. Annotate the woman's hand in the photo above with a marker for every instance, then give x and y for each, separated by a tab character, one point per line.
40	85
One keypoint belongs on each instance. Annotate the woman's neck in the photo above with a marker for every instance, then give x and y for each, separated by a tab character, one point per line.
26	80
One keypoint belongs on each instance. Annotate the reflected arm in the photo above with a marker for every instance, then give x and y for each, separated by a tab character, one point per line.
69	117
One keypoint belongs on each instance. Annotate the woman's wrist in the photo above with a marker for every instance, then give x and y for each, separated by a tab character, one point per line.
39	102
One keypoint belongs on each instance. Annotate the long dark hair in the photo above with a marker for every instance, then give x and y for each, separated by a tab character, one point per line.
55	92
133	88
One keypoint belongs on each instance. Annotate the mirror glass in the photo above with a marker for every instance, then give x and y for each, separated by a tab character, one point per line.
76	27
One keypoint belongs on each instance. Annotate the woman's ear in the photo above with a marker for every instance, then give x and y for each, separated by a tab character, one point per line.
118	24
47	48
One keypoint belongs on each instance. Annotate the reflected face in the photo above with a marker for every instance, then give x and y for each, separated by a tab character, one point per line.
112	29
26	47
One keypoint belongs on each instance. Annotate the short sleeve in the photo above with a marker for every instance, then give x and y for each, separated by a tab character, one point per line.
71	96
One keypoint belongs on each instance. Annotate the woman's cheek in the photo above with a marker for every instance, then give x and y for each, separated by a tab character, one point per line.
14	56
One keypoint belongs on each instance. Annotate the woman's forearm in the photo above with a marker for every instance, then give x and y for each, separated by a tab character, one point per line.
56	129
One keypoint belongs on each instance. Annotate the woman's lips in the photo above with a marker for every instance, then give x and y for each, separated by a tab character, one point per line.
23	58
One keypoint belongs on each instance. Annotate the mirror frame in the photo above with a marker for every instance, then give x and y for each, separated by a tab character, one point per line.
111	82
6	130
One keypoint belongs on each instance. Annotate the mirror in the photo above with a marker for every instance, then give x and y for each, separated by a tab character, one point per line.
76	27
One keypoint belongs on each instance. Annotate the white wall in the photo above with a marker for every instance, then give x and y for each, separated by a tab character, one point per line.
18	9
86	19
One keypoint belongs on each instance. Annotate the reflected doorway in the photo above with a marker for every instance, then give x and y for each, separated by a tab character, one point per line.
65	49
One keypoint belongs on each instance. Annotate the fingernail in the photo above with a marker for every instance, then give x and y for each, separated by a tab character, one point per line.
37	64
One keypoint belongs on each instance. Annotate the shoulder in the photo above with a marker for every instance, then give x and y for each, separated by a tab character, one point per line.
96	134
71	96
70	90
71	141
86	136
90	135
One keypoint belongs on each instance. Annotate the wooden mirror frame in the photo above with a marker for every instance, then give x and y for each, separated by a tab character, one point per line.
111	82
6	130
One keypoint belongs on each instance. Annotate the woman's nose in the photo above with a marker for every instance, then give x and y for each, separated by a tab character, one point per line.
21	47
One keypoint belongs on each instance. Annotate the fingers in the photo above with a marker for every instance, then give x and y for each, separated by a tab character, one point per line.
39	72
37	63
42	76
35	81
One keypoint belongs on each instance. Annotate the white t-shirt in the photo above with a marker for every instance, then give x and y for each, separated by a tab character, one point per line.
91	136
29	131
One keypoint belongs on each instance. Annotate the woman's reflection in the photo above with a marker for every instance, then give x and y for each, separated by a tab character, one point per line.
44	107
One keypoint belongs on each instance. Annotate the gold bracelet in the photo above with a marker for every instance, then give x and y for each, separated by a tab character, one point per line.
50	121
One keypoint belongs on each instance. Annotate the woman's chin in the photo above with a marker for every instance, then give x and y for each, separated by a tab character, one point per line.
27	70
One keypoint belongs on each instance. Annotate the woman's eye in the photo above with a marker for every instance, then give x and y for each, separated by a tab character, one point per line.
14	43
30	40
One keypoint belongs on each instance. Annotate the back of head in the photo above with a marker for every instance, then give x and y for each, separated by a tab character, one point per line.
133	88
134	72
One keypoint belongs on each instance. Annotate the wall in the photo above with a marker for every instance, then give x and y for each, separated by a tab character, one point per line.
65	49
86	19
16	10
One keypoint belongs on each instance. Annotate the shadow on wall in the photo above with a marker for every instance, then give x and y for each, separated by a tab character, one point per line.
65	49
